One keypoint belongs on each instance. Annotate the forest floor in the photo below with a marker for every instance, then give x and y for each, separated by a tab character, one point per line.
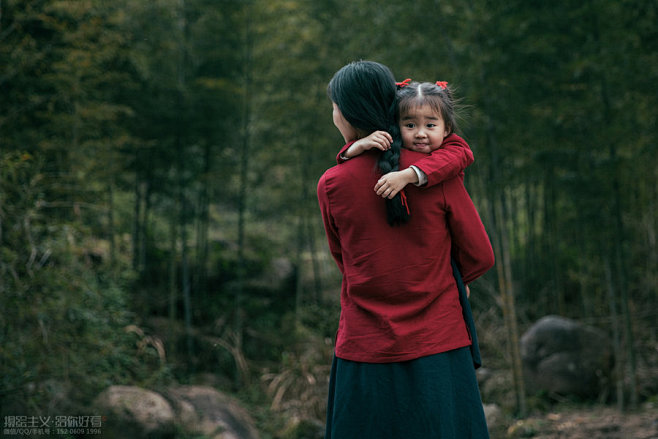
588	423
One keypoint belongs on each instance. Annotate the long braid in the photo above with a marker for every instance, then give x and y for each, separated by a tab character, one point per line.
389	161
366	94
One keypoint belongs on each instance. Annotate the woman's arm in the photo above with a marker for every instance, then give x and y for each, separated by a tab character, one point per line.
471	247
329	227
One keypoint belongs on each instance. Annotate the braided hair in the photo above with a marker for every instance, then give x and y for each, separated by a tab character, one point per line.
365	93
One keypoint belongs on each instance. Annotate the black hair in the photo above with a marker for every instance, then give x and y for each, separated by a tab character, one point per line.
438	97
365	93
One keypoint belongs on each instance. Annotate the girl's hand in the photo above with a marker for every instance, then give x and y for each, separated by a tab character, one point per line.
379	139
393	182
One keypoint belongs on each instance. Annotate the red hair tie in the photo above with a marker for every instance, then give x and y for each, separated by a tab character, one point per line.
403	198
403	83
442	84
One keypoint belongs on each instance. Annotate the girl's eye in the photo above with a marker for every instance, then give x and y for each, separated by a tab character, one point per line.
430	125
410	125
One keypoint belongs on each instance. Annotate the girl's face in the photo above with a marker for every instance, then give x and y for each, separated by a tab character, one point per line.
346	129
422	129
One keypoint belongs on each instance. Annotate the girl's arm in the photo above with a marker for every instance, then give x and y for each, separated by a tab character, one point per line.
447	162
340	157
440	165
393	182
378	139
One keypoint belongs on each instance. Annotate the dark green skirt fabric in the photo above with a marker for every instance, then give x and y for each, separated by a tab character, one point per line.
468	315
433	397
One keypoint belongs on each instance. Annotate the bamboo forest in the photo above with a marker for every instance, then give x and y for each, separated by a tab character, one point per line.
160	234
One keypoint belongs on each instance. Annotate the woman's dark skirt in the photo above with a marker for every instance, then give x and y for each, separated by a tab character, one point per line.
433	397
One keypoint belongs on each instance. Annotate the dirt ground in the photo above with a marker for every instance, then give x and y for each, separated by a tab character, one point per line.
595	423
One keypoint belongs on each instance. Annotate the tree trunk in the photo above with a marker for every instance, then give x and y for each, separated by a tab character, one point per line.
145	224
137	212
551	237
110	223
619	363
317	279
173	270
180	147
186	285
243	182
173	289
530	258
306	228
299	263
506	284
622	282
202	224
617	230
495	192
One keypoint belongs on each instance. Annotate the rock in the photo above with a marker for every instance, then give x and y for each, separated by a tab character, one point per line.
296	427
496	385
483	375
195	410
134	412
208	412
280	275
524	428
564	357
494	416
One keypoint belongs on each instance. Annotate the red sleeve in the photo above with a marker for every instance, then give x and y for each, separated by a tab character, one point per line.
471	247
329	226
447	162
339	159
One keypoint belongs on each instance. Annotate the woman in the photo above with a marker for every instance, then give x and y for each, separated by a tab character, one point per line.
402	366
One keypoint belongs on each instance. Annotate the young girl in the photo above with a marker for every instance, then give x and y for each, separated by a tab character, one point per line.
427	124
